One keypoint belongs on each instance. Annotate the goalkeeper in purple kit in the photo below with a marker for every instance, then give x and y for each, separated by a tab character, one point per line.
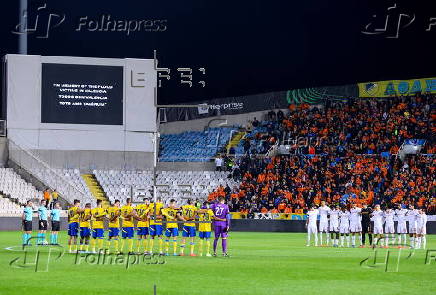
221	224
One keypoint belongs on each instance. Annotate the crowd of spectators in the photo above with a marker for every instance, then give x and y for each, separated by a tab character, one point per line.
350	157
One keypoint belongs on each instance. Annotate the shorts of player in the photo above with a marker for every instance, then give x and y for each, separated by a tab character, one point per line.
85	232
114	232
55	225
188	231
401	228
366	227
172	232
344	229
312	229
323	226
27	225
355	227
142	231
412	227
334	227
73	229
127	232
204	234
97	233
42	225
378	229
155	230
220	230
389	228
421	230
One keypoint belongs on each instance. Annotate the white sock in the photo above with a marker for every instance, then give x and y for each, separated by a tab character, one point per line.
387	240
404	238
308	239
348	241
424	242
328	239
399	238
418	242
336	242
360	240
320	238
353	240
412	242
316	240
342	241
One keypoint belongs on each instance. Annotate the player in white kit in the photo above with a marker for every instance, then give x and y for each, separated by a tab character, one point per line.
334	226
344	226
312	216
412	216
324	223
389	226
421	230
355	225
401	225
377	217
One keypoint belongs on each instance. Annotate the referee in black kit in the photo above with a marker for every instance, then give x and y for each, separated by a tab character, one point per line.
366	224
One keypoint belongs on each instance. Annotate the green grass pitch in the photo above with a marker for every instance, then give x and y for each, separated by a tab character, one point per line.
260	263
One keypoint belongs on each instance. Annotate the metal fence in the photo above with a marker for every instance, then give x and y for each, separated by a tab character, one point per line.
52	178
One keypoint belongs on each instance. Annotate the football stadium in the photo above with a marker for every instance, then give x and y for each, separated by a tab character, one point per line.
217	148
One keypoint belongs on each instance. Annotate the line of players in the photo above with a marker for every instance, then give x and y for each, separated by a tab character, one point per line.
88	224
339	225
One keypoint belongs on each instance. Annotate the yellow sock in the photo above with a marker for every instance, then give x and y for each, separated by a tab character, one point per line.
108	244
167	246
200	247
81	247
145	242
138	245
207	246
116	245
93	241
182	248
160	245
74	247
122	245
192	247
86	247
175	246
70	247
151	245
130	243
100	243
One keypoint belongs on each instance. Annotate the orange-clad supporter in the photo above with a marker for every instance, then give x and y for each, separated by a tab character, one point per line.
288	210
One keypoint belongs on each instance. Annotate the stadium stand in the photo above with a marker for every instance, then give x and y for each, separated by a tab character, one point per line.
171	184
72	177
348	155
12	185
9	207
194	146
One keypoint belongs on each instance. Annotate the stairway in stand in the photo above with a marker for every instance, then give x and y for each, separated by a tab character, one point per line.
96	189
235	140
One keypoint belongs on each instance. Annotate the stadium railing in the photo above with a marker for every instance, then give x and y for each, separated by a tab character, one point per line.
33	165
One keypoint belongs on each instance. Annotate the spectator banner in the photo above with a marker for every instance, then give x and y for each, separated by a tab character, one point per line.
319	94
397	87
229	106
